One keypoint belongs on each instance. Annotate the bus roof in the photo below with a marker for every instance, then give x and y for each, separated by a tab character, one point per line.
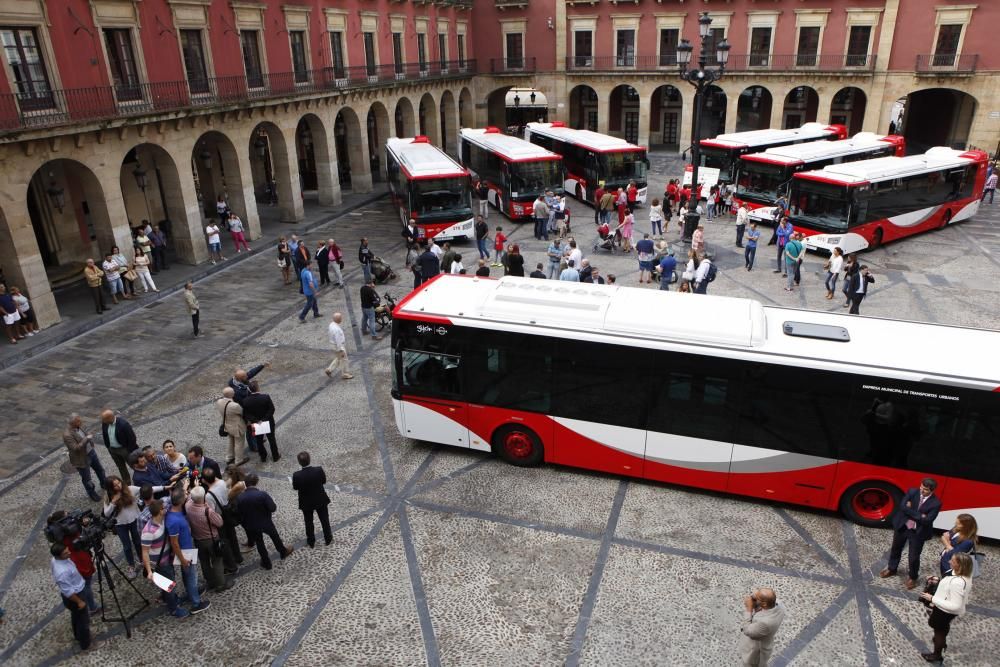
813	151
594	141
744	327
754	138
511	149
422	159
885	168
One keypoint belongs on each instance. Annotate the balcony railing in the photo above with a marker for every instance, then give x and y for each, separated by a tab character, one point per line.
512	65
737	63
58	107
948	62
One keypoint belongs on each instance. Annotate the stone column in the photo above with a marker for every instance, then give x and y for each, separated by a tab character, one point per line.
645	104
187	232
284	160
325	158
22	261
823	107
732	110
357	149
603	108
240	192
559	19
778	110
687	116
116	222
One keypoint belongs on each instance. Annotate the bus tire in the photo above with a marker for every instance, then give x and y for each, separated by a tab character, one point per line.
876	239
870	503
518	445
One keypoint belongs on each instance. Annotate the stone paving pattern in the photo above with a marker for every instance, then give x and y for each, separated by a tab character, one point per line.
445	556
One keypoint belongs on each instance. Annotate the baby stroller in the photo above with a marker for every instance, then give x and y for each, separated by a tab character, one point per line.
381	271
383	312
607	240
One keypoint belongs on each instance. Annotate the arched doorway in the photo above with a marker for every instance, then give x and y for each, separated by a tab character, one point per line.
848	109
428	116
753	109
449	123
312	149
271	172
583	108
801	107
353	172
713	114
466	111
665	110
496	108
377	124
403	118
25	267
216	170
151	190
937	117
623	119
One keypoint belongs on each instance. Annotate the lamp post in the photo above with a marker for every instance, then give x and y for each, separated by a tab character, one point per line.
56	194
701	78
140	180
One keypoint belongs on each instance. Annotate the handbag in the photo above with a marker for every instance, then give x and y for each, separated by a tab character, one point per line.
282	263
131	274
223	433
217	544
930	586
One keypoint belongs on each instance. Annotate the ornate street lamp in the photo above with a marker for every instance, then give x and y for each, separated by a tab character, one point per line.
532	98
57	196
140	180
701	78
517	100
206	160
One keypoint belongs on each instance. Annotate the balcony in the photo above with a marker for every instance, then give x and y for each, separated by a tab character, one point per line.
833	63
78	105
947	63
510	4
512	65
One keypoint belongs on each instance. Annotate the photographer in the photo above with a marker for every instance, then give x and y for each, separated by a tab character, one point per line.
761	620
122	505
71	585
64	530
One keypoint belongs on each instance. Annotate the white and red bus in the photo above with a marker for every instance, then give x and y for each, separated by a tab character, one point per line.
718	155
864	204
429	187
806	407
763	177
516	171
591	158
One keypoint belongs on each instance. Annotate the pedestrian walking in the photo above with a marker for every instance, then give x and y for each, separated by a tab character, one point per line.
947	601
833	268
256	508
990	188
308	482
193	307
913	524
94	276
82	455
236	231
369	300
214	242
750	252
858	288
309	290
762	616
627	224
499	239
656	218
119	439
482	236
365	257
339	342
793	255
483	194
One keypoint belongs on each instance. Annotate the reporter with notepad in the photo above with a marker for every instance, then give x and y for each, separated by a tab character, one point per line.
182	545
157	558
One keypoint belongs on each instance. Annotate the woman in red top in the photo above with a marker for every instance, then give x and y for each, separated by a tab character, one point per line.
631	193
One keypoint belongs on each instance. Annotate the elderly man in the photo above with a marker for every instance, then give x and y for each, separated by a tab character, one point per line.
206	527
231	413
83	456
761	619
119	438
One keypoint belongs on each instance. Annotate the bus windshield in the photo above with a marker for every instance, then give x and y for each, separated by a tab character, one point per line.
439	196
717	158
820	206
530	179
759	181
624	166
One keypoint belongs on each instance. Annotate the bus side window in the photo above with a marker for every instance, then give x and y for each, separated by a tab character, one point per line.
694	397
508	371
431	374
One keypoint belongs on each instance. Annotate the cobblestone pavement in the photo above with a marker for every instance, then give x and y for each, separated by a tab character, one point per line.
444	556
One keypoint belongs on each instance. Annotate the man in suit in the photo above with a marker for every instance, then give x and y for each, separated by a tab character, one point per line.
232	415
312	498
197	462
761	620
119	438
913	525
256	508
258	407
857	288
239	383
82	455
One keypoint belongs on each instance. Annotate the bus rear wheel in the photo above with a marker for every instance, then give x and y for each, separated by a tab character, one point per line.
876	239
518	445
870	503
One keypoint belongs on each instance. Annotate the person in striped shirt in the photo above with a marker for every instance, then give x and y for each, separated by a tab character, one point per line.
156	555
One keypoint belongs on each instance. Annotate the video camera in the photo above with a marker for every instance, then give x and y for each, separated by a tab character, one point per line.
87	528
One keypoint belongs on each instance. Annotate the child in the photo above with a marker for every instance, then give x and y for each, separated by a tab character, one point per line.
498	243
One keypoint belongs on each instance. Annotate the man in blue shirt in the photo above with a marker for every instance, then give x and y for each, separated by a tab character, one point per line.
751	248
309	290
180	536
667	267
71	585
143	473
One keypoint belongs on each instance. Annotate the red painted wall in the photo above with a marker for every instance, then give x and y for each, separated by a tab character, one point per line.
539	40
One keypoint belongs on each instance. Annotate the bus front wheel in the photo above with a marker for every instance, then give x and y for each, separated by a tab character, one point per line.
870	503
876	239
518	445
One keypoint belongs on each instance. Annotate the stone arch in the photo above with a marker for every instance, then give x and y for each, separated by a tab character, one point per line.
466	110
404	124
351	151
713	114
377	130
623	117
584	106
848	108
272	173
316	161
753	110
427	115
665	110
937	117
801	106
449	123
217	170
26	267
496	108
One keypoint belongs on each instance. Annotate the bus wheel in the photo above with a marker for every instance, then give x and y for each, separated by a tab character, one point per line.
518	445
876	239
870	503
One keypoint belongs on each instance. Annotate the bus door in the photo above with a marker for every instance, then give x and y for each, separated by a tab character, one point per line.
430	384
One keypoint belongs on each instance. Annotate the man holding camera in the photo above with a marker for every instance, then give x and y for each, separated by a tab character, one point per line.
71	585
761	620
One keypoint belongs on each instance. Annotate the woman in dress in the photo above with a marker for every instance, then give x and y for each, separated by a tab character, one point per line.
627	224
142	269
947	602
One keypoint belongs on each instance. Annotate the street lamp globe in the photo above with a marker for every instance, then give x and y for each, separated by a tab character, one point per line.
722	52
684	50
140	177
704	23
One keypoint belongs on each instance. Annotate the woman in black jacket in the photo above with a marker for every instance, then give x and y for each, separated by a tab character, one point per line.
515	262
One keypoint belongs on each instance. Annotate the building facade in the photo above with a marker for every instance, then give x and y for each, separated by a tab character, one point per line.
118	111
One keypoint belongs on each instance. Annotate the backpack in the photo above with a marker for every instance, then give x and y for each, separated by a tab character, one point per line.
712	272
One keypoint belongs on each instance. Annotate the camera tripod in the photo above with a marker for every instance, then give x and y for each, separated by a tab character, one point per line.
101	562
